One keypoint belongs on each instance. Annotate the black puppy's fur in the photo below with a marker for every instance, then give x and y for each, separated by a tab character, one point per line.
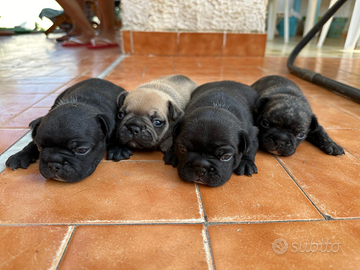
72	138
285	119
216	136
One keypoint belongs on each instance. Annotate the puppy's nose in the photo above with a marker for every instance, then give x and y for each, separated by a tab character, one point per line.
200	171
54	166
134	129
280	143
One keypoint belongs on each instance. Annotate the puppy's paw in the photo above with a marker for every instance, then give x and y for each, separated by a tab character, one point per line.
166	144
118	153
332	148
170	158
246	167
20	160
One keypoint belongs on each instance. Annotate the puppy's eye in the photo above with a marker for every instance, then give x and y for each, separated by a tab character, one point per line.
226	157
301	135
182	149
121	115
265	123
81	151
158	123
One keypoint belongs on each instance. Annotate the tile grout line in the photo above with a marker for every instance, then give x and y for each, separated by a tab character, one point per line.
207	248
351	154
199	222
214	223
66	247
25	139
283	166
205	234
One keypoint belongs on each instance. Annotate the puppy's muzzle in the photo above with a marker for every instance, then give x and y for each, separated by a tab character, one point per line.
201	168
279	144
281	140
134	129
54	167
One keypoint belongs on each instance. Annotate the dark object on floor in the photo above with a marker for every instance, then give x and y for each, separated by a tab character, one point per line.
216	136
285	119
72	138
313	77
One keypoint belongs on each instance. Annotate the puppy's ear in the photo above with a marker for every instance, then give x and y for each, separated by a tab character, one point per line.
176	128
34	126
107	124
174	111
244	142
260	104
121	98
314	123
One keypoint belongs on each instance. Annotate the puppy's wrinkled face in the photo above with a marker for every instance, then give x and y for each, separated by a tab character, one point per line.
143	119
71	145
207	152
283	126
141	131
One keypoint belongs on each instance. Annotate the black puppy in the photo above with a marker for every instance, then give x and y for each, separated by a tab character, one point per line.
285	119
216	136
72	138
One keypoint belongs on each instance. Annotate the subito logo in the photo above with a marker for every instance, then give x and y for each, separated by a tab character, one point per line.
280	246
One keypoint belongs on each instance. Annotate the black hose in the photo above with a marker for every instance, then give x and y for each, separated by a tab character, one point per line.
316	78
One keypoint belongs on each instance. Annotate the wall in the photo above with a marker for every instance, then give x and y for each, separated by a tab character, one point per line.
237	16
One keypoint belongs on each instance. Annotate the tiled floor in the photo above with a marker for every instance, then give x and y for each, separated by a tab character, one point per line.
138	214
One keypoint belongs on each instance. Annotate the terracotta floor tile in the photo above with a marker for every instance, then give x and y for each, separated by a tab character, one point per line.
39	72
347	138
330	182
126	84
243	61
331	117
47	102
208	44
146	155
10	136
71	83
350	107
126	41
249	246
35	80
251	45
314	91
159	71
11	105
23	120
245	198
156	43
142	190
116	193
29	89
137	247
33	247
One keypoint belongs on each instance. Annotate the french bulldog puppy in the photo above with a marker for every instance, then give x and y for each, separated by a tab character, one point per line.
72	138
285	119
216	136
146	113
